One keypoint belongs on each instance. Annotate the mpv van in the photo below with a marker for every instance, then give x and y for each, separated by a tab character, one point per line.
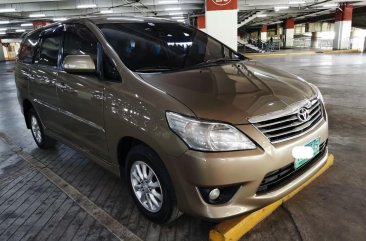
193	126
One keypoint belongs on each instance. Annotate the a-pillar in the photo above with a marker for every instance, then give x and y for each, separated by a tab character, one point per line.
314	40
342	26
222	21
288	31
201	23
264	33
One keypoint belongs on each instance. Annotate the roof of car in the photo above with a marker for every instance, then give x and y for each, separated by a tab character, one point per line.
127	19
103	20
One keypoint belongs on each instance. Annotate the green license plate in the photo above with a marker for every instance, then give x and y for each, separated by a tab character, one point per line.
314	144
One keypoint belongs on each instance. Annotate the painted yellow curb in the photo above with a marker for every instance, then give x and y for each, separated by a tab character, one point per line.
234	229
303	53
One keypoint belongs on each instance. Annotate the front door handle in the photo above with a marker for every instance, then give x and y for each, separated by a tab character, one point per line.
61	86
64	87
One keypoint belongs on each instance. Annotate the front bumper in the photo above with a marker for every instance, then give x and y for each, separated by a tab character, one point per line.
243	168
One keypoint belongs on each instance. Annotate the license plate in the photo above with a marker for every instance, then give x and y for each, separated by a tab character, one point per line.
314	144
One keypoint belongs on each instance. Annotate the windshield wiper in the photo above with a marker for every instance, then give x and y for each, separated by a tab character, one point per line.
153	69
219	60
212	62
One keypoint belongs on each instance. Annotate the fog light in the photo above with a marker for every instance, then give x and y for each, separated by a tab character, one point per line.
214	194
218	195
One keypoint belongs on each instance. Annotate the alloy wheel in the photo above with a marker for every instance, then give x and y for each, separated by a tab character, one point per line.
36	130
146	186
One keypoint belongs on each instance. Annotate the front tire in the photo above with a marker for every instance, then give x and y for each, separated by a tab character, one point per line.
150	185
42	140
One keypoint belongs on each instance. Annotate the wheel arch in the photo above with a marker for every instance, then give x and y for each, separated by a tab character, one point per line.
27	105
124	146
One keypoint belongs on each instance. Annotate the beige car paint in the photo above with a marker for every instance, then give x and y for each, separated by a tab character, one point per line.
102	115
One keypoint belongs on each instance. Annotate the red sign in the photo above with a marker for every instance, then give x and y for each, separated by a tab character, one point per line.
39	24
216	5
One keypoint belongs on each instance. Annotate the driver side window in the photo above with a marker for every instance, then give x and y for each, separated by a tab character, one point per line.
79	40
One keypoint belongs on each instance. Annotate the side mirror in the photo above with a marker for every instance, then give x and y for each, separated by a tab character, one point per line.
75	64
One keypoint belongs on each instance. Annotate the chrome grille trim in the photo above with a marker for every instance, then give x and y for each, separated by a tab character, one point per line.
278	128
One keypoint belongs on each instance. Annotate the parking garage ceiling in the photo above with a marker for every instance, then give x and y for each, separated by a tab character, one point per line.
17	15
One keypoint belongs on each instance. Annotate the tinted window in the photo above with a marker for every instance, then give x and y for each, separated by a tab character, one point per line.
80	41
145	46
48	52
28	46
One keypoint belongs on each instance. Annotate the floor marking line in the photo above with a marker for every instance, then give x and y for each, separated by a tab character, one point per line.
116	228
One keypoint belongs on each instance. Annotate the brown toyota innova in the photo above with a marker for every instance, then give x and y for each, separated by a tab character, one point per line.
193	126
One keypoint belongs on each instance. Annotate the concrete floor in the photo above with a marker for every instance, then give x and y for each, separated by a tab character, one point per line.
331	208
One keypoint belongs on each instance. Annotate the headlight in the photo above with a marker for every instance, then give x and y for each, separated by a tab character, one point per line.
208	136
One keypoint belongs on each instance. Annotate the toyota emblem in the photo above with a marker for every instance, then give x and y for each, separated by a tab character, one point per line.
303	114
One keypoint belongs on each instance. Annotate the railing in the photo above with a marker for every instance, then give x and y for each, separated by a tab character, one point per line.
320	43
302	43
261	45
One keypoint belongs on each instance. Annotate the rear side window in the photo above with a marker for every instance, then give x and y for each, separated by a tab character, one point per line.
28	47
48	52
79	40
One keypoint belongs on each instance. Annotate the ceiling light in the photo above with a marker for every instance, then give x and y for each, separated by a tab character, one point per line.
297	2
37	15
3	29
181	20
179	17
330	5
86	6
180	13
262	15
106	11
26	24
280	8
168	1
173	9
2	33
7	10
4	22
59	19
20	30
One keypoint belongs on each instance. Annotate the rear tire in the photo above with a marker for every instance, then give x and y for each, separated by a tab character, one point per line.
150	185
42	140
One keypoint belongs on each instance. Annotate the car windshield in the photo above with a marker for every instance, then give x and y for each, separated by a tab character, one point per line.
158	47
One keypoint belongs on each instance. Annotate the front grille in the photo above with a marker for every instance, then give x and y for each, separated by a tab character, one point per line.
289	126
279	178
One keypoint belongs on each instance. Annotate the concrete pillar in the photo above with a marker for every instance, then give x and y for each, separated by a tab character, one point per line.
314	40
342	26
263	35
358	39
201	23
288	29
222	21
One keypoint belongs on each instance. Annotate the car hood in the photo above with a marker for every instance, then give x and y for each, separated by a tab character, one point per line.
233	92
